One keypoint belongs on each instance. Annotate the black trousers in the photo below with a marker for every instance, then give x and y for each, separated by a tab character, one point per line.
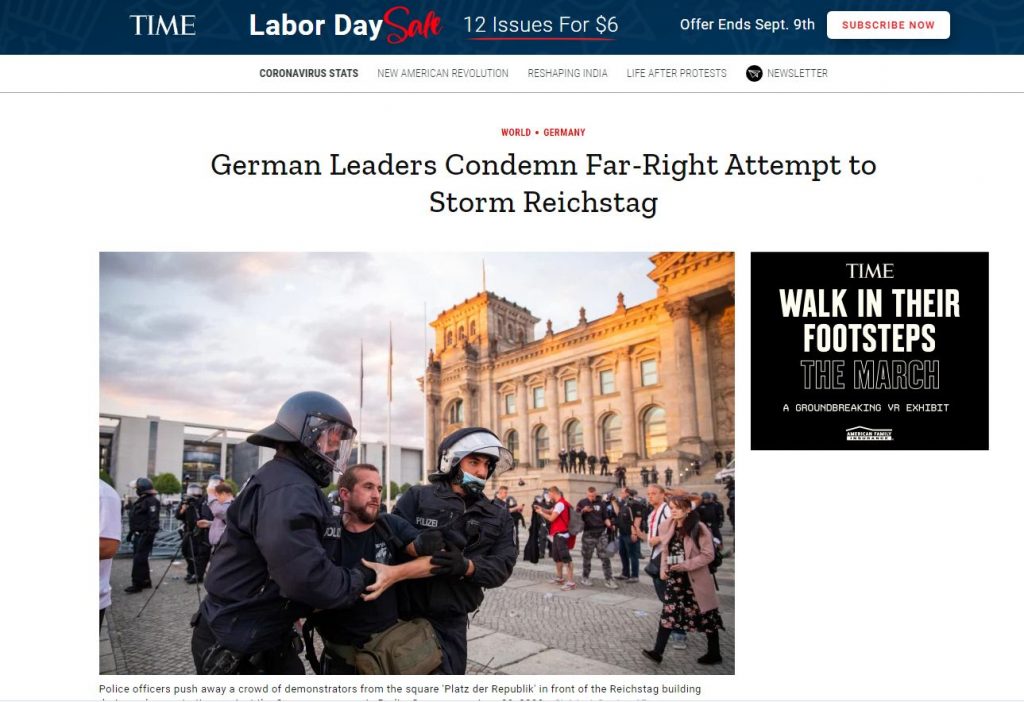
197	554
451	634
283	662
142	547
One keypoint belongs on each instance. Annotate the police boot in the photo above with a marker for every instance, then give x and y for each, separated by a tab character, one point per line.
132	589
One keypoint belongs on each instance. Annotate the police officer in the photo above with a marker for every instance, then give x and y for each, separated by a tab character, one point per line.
711	514
196	517
480	551
271	567
143	524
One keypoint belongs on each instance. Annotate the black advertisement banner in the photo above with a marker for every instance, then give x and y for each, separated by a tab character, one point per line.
867	351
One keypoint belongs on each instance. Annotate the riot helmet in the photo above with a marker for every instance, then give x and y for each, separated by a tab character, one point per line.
321	428
194	490
143	486
464	442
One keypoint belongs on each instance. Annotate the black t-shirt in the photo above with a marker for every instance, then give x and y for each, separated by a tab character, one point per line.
594	519
626	517
355	625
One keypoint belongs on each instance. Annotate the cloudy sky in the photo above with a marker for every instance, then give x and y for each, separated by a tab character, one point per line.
226	338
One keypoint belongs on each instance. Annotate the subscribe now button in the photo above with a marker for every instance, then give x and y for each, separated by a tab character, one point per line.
888	25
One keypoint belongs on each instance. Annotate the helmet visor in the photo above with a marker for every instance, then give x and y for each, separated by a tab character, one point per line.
484	444
329	438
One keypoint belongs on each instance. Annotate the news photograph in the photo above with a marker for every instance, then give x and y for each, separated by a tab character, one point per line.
417	463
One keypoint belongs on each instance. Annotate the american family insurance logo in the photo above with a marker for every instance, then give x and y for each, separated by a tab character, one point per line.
397	25
867	434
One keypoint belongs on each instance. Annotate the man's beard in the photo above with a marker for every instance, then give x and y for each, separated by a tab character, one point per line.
367	514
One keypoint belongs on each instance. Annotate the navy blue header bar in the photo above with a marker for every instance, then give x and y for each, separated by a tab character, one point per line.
501	28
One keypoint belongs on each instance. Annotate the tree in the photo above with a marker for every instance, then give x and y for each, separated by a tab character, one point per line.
167	484
232	484
105	477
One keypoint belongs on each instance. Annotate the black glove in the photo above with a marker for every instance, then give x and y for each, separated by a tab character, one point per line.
451	563
428	542
454	539
369	574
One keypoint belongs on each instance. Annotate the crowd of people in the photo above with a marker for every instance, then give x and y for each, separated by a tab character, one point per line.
682	529
392	593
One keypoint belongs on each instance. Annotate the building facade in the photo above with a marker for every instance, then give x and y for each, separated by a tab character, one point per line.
135	447
650	384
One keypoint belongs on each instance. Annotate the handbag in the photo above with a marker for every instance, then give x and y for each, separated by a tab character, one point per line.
653	567
407	648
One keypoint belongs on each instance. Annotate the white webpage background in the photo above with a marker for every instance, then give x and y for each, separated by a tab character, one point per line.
892	575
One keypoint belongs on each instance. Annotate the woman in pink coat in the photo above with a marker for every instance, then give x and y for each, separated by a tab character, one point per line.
690	599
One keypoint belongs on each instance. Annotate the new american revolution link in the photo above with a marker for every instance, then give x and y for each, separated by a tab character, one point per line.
863	351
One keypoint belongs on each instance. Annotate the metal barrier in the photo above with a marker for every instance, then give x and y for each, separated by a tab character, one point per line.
166	543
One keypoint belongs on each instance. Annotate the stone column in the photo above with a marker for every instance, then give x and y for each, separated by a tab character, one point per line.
586	393
689	439
496	410
554	425
470	404
702	376
523	424
486	390
624	384
430	440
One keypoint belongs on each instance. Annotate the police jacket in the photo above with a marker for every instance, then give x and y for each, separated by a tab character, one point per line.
708	514
486	529
271	566
145	515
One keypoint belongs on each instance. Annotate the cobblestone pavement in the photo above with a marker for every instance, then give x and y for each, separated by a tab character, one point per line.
526	626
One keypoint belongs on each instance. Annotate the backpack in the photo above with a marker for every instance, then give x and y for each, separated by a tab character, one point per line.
575	522
717	560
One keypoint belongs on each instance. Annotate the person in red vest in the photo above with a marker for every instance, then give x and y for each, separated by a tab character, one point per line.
561	540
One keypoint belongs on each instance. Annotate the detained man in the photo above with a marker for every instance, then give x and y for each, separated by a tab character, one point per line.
374	540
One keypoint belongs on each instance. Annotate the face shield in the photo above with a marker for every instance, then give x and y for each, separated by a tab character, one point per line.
329	439
481	443
194	490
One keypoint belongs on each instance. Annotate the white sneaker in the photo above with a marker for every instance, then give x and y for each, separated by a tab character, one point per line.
610	584
569	586
679	645
585	582
556	581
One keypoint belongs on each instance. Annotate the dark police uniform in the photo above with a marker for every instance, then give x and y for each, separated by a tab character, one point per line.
144	523
271	568
195	541
486	531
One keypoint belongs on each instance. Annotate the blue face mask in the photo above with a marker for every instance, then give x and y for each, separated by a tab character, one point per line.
471	483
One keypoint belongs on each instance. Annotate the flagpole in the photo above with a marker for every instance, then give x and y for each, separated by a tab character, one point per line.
359	451
387	450
426	427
